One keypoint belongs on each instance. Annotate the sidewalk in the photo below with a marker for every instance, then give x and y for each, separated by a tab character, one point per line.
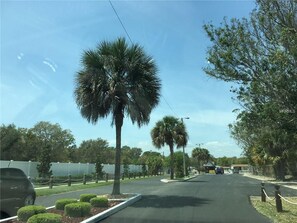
289	184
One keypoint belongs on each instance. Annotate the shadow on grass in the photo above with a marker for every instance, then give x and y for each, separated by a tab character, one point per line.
170	201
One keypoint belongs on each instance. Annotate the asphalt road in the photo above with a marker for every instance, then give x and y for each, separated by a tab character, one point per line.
206	198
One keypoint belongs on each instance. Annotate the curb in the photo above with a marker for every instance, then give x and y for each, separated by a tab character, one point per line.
113	210
171	181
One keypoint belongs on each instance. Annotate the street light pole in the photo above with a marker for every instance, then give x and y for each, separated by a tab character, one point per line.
184	160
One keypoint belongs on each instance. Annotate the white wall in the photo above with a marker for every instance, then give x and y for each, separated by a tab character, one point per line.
63	169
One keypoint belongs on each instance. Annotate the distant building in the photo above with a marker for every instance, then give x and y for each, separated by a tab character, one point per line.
239	168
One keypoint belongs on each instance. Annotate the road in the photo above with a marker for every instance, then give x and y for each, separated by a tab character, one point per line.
206	198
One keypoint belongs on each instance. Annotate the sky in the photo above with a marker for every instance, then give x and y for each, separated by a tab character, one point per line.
42	43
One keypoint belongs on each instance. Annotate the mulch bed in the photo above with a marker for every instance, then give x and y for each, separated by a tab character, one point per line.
66	219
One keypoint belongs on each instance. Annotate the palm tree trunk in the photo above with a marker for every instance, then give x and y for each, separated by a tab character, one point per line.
171	162
117	171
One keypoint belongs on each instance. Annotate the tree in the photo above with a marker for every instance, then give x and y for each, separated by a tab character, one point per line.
120	80
153	160
44	165
131	155
90	150
170	131
201	155
259	55
52	138
178	164
11	140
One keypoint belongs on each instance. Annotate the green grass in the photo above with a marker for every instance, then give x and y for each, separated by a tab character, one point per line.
289	214
63	189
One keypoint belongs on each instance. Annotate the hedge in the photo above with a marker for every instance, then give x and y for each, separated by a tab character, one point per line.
79	209
45	218
86	197
26	212
60	204
99	202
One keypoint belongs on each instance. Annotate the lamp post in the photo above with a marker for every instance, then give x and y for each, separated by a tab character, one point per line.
184	161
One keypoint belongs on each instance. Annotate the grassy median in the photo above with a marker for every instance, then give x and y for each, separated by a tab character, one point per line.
65	188
268	208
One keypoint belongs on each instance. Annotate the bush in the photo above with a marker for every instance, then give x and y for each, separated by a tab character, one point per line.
26	212
45	218
99	202
60	204
79	209
86	197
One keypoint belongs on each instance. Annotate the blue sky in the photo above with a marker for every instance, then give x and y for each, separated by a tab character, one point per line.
42	43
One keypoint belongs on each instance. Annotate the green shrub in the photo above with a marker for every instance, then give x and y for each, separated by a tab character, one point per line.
99	202
45	218
79	209
60	204
26	212
86	197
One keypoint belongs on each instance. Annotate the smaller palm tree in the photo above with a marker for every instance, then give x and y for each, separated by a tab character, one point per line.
170	131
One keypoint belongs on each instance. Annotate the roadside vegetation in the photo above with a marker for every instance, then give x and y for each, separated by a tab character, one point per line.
268	209
258	56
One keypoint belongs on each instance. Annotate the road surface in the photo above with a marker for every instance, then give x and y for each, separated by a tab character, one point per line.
206	198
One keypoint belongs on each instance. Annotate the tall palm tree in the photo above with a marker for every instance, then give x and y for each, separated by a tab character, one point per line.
170	131
117	80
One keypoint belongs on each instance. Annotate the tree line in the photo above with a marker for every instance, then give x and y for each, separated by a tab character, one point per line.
45	138
259	56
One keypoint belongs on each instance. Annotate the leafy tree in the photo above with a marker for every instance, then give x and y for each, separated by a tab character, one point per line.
99	166
131	155
11	143
120	80
259	55
126	167
178	164
90	150
170	131
44	165
53	139
201	155
152	162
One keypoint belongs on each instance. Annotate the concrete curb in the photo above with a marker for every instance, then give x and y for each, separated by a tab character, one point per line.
291	185
171	181
113	210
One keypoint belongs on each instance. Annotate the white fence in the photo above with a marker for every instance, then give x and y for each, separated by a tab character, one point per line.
64	169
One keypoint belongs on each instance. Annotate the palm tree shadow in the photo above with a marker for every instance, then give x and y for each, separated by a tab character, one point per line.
171	201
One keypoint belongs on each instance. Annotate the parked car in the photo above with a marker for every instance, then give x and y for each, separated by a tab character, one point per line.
16	191
219	170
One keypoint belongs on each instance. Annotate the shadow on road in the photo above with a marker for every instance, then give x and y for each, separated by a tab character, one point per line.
170	201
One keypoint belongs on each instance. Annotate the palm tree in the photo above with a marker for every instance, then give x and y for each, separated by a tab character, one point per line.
201	155
170	131
117	80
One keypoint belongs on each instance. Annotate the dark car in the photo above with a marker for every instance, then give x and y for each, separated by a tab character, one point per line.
219	170
16	191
